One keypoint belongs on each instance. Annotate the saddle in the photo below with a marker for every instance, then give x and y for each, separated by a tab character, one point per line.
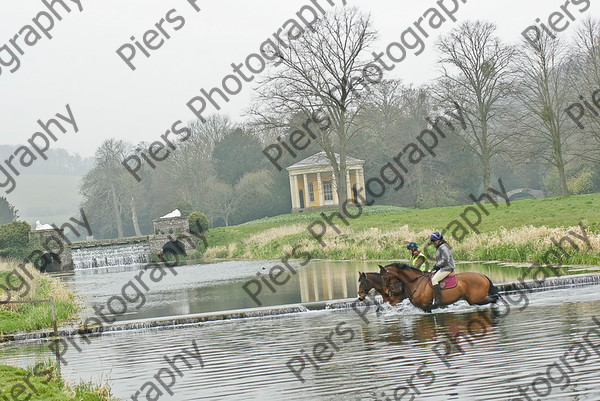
449	282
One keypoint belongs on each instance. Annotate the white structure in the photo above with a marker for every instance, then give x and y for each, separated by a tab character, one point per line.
40	226
174	213
313	184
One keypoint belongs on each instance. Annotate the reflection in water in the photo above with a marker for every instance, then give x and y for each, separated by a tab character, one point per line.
219	286
245	359
425	328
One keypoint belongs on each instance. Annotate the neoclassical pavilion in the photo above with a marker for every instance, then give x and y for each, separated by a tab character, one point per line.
313	184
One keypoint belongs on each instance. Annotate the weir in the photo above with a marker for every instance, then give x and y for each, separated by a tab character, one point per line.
171	234
170	322
110	255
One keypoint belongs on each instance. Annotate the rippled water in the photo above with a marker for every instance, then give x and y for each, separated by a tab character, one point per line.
219	286
245	359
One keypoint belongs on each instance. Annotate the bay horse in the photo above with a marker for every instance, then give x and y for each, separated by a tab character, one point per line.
368	281
475	288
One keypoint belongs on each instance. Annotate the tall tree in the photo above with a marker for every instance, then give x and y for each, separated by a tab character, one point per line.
545	93
8	213
586	64
478	75
102	187
235	154
316	76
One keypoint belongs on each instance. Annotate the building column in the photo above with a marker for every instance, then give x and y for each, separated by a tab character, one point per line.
362	179
357	179
348	188
293	192
305	192
320	189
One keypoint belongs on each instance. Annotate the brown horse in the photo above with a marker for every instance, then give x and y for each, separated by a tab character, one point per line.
475	288
368	281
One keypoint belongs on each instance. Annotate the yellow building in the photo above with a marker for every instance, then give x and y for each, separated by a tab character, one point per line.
313	184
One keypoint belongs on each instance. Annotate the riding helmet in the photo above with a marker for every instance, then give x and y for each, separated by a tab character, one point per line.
436	236
413	246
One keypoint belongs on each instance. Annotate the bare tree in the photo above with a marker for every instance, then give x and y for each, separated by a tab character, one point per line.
478	75
586	63
544	93
318	75
101	186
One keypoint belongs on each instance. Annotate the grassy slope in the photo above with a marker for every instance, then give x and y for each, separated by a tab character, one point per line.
28	317
47	386
551	212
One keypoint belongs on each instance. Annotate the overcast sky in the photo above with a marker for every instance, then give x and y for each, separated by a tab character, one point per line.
79	65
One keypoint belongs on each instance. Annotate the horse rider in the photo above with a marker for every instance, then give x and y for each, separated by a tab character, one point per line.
444	265
417	259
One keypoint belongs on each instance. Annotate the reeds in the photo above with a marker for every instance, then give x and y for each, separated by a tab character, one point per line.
522	244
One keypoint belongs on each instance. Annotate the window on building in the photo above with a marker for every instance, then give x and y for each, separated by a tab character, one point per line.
327	191
311	192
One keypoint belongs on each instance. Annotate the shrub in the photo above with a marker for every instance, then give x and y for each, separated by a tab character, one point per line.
14	239
582	184
198	223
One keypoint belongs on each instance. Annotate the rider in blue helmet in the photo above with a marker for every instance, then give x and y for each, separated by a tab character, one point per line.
444	265
417	259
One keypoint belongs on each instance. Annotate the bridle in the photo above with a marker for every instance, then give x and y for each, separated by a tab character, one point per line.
409	282
368	280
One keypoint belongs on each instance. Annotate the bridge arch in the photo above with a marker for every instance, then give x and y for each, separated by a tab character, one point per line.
49	262
525	192
174	247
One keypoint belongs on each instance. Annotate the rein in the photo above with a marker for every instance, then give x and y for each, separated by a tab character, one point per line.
411	281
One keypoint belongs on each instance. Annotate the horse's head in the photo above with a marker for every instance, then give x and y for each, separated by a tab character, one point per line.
391	278
364	286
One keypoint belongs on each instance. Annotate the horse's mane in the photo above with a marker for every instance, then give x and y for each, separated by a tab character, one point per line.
367	274
404	266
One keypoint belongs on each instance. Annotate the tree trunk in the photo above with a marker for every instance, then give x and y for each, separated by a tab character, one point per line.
343	173
342	188
136	225
487	174
560	164
116	208
564	188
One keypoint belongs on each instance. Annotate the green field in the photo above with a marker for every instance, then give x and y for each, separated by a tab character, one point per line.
521	231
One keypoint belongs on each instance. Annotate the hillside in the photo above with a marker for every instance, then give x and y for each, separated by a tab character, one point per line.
521	231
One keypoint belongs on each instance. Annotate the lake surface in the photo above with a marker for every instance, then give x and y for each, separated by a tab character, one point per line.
378	355
219	286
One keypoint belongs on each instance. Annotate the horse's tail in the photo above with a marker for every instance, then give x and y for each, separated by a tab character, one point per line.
493	293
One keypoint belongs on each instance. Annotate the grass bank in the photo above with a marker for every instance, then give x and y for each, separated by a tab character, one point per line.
25	283
41	383
519	232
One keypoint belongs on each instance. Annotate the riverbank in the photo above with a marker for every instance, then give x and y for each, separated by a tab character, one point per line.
522	231
41	383
26	283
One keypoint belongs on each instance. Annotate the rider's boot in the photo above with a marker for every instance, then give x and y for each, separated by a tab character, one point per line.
437	300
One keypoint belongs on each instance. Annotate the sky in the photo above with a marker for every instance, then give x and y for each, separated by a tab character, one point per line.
80	66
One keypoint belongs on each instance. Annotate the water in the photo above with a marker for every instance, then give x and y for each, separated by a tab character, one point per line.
219	286
245	359
112	255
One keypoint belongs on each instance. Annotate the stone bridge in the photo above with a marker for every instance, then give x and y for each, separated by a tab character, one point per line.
536	193
54	252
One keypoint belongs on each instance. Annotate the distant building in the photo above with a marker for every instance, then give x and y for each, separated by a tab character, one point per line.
313	184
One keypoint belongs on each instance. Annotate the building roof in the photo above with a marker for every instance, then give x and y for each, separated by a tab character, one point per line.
320	159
